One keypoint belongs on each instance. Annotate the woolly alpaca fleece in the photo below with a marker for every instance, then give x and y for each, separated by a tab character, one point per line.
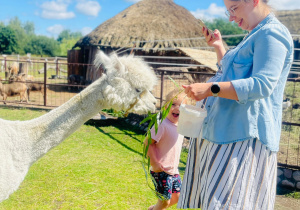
24	142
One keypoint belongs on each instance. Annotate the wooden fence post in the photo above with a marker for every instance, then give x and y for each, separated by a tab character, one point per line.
56	60
161	88
45	83
21	68
5	69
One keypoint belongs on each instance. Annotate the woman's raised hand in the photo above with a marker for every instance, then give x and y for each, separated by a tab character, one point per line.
198	91
213	40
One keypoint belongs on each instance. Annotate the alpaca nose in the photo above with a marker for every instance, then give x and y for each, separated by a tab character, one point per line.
154	101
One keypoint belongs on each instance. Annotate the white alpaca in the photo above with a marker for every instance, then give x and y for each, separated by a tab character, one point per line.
125	85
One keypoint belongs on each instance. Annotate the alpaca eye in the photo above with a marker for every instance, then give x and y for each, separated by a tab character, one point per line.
138	90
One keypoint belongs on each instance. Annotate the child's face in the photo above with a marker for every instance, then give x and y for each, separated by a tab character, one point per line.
173	115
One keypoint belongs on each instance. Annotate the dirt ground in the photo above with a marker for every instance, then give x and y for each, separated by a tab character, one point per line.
283	203
55	98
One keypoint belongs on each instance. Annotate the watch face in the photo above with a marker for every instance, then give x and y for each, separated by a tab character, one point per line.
215	88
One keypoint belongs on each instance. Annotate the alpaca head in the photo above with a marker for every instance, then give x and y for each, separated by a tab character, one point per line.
130	81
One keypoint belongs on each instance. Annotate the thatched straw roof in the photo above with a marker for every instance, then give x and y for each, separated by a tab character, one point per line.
144	21
291	19
202	57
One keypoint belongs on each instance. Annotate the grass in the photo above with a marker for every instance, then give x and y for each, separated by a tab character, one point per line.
97	167
292	91
288	193
289	143
295	195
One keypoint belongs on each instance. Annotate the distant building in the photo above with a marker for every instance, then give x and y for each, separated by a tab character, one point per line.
151	27
291	19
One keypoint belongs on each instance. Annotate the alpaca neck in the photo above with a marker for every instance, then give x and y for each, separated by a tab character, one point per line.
52	128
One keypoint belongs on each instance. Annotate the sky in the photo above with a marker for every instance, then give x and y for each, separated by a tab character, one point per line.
51	17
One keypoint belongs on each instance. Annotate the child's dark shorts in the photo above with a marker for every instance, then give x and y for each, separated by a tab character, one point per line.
166	184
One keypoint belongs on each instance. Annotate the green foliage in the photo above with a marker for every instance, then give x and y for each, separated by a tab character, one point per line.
153	120
8	40
68	35
67	44
16	24
114	113
295	195
67	40
227	28
42	45
19	38
29	28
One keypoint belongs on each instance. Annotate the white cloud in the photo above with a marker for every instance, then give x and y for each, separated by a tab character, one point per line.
213	11
56	10
285	4
90	8
59	15
86	30
54	6
55	30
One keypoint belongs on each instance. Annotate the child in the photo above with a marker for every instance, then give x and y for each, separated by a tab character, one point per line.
164	152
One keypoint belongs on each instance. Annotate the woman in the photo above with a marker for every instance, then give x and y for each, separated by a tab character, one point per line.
234	164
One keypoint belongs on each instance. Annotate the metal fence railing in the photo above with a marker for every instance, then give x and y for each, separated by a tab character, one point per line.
289	153
48	79
52	75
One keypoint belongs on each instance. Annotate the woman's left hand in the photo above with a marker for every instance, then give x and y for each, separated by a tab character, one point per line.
198	91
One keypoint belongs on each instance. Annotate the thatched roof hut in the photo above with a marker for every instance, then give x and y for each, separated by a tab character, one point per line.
202	57
145	21
291	19
151	27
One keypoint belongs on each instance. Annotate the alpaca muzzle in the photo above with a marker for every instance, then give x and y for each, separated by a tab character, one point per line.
135	102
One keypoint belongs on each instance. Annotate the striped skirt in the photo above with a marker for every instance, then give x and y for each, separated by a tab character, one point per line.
236	176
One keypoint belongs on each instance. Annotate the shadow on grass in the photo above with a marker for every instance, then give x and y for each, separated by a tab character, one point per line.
119	125
288	192
126	129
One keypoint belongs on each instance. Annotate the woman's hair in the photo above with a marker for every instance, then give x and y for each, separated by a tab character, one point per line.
264	1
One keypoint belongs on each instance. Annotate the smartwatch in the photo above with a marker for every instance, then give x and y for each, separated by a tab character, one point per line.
215	89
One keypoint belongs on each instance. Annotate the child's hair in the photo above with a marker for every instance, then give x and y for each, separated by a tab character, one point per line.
173	93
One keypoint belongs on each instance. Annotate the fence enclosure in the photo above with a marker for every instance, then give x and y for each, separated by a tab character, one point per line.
53	75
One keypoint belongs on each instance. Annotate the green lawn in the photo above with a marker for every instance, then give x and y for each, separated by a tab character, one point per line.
97	167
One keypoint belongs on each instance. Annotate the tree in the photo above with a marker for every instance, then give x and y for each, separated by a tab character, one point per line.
21	36
42	45
67	34
29	28
227	28
66	45
8	40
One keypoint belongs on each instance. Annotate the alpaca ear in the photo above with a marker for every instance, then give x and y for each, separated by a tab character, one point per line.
101	58
117	63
